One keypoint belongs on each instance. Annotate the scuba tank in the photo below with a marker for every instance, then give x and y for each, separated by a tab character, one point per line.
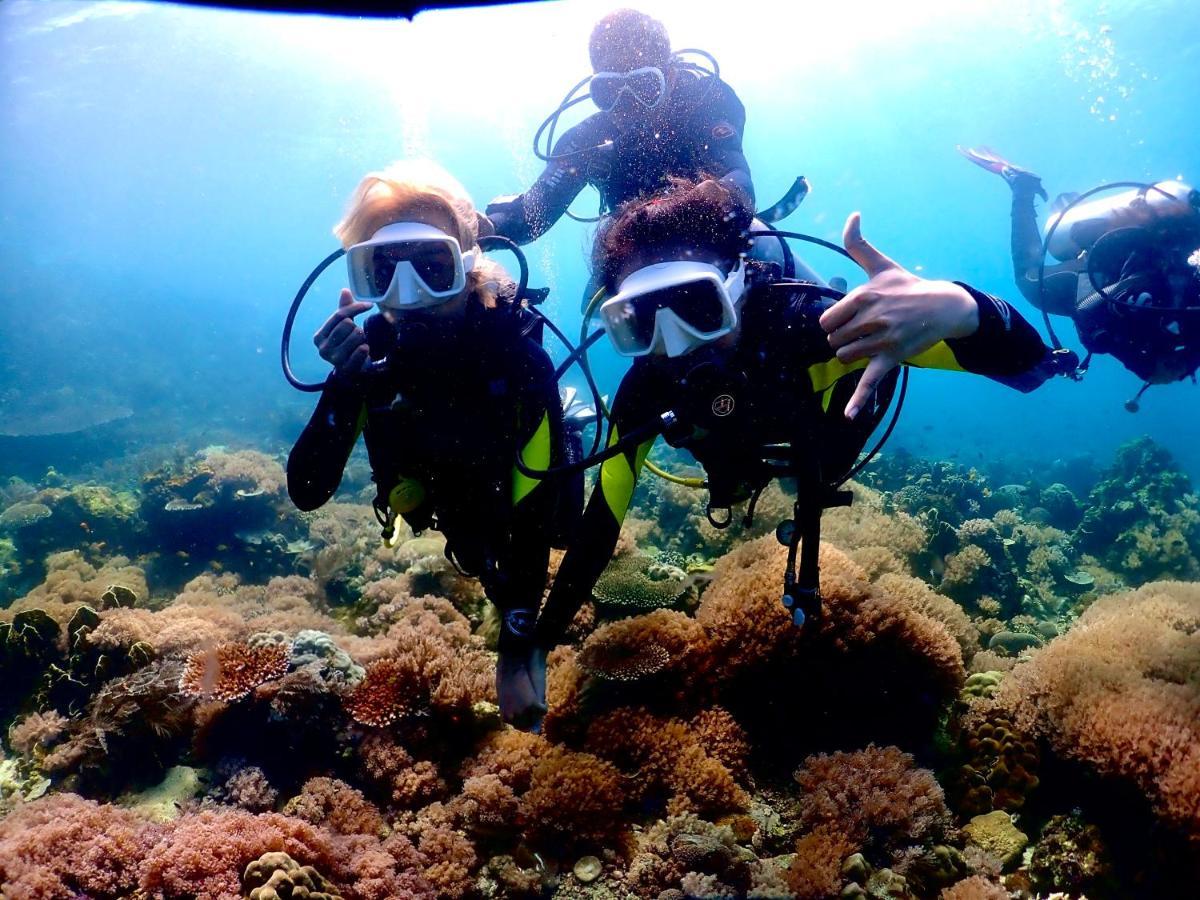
1076	228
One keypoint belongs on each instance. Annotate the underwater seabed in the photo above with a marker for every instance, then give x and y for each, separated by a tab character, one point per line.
208	694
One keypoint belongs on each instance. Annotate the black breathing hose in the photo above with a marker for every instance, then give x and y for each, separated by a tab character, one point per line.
285	343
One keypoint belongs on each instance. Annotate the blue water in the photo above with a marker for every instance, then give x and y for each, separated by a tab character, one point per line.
169	175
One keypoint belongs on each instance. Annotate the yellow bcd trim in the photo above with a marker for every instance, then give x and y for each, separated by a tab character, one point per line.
617	479
535	455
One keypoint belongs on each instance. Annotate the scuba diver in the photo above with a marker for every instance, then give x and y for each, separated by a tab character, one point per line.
759	376
1127	271
657	116
447	382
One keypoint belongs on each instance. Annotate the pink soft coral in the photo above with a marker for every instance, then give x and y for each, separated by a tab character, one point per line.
63	846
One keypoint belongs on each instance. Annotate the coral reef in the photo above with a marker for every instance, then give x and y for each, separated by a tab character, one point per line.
1143	517
257	702
1120	693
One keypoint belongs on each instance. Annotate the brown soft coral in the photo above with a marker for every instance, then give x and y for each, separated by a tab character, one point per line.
573	797
402	781
876	798
670	760
337	806
249	471
874	666
430	670
1120	692
203	856
815	872
71	580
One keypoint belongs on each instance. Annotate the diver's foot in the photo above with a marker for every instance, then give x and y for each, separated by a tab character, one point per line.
520	703
1020	180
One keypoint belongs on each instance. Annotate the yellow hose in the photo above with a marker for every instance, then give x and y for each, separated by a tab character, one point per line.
583	361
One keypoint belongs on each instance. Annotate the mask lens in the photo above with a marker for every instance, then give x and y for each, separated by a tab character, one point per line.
375	265
647	86
434	264
605	87
697	303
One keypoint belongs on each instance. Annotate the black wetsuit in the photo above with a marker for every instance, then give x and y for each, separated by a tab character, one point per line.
699	133
451	412
781	382
1158	347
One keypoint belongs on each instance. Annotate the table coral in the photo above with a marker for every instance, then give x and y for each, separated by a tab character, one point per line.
648	647
635	582
231	671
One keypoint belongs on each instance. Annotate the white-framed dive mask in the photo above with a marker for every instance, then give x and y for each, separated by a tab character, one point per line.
671	308
408	265
646	85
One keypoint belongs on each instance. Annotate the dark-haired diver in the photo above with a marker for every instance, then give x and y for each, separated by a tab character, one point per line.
446	384
731	363
658	116
1127	271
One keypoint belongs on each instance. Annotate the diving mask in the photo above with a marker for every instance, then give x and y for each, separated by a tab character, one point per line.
408	265
673	307
646	85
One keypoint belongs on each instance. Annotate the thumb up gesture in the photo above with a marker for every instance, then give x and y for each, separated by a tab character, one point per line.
895	316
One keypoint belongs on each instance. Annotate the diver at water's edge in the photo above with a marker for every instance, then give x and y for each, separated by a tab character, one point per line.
465	388
747	362
1127	271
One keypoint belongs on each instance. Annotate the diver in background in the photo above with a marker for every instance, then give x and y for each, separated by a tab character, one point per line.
735	362
657	117
446	385
1128	270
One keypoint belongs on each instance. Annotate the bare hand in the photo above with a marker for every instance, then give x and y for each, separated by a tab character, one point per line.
340	341
895	316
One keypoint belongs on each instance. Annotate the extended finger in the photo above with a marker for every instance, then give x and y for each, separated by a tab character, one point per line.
860	326
341	342
340	332
846	308
345	311
868	346
339	355
877	368
860	249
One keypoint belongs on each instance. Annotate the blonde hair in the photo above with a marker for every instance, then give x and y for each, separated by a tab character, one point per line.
419	186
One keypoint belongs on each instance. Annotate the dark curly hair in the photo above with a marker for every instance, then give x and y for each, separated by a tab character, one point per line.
703	216
627	39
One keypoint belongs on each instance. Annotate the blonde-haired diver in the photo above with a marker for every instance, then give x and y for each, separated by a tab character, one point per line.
447	383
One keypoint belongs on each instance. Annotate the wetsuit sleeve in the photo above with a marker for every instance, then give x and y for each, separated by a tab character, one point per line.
1060	278
315	465
527	217
1005	348
597	535
723	126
